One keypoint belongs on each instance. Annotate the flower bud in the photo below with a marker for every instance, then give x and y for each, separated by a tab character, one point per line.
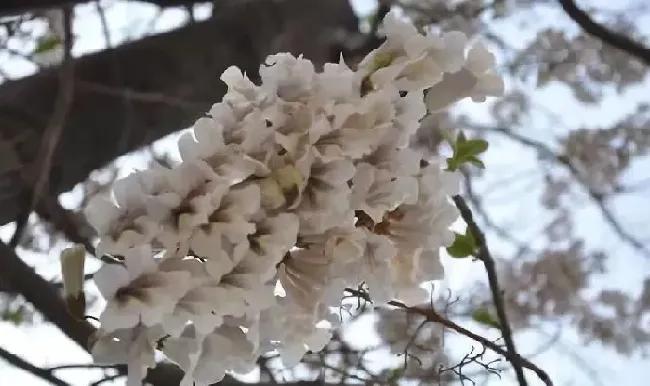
272	197
72	269
289	181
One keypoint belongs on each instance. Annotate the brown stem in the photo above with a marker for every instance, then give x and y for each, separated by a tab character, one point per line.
612	38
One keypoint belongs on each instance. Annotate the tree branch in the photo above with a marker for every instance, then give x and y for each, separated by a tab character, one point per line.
611	38
8	7
169	95
432	316
599	199
63	102
486	257
22	364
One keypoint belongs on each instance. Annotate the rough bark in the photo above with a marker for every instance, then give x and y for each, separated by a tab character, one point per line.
172	78
9	7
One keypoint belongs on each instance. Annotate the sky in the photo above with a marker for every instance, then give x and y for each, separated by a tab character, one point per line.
45	346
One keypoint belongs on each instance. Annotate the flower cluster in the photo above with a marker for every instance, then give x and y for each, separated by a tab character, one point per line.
289	192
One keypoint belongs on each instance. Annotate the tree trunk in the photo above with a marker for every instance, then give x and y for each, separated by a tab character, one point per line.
129	96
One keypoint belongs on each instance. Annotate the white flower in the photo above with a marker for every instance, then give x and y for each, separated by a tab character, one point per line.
273	238
137	291
304	275
409	269
124	223
186	203
324	199
425	223
212	299
447	51
407	74
230	218
204	140
134	346
338	82
223	152
242	94
287	328
347	130
287	76
377	191
302	185
199	303
372	267
473	80
206	358
410	110
410	61
402	162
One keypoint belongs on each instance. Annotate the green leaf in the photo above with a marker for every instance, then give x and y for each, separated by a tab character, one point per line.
395	375
452	164
476	162
473	147
14	316
460	138
484	317
47	43
466	151
463	245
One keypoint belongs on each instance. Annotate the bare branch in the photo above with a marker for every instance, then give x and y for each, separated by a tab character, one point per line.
44	374
108	378
52	135
611	38
599	199
121	103
36	178
80	366
19	6
485	256
431	315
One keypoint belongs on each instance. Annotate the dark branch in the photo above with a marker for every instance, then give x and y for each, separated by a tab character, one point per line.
611	38
432	316
131	95
79	366
22	364
39	177
8	7
486	257
599	199
108	378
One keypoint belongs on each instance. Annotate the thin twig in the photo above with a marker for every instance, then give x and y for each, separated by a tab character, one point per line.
609	37
50	209
22	364
62	106
485	256
108	378
599	199
80	366
138	96
435	317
